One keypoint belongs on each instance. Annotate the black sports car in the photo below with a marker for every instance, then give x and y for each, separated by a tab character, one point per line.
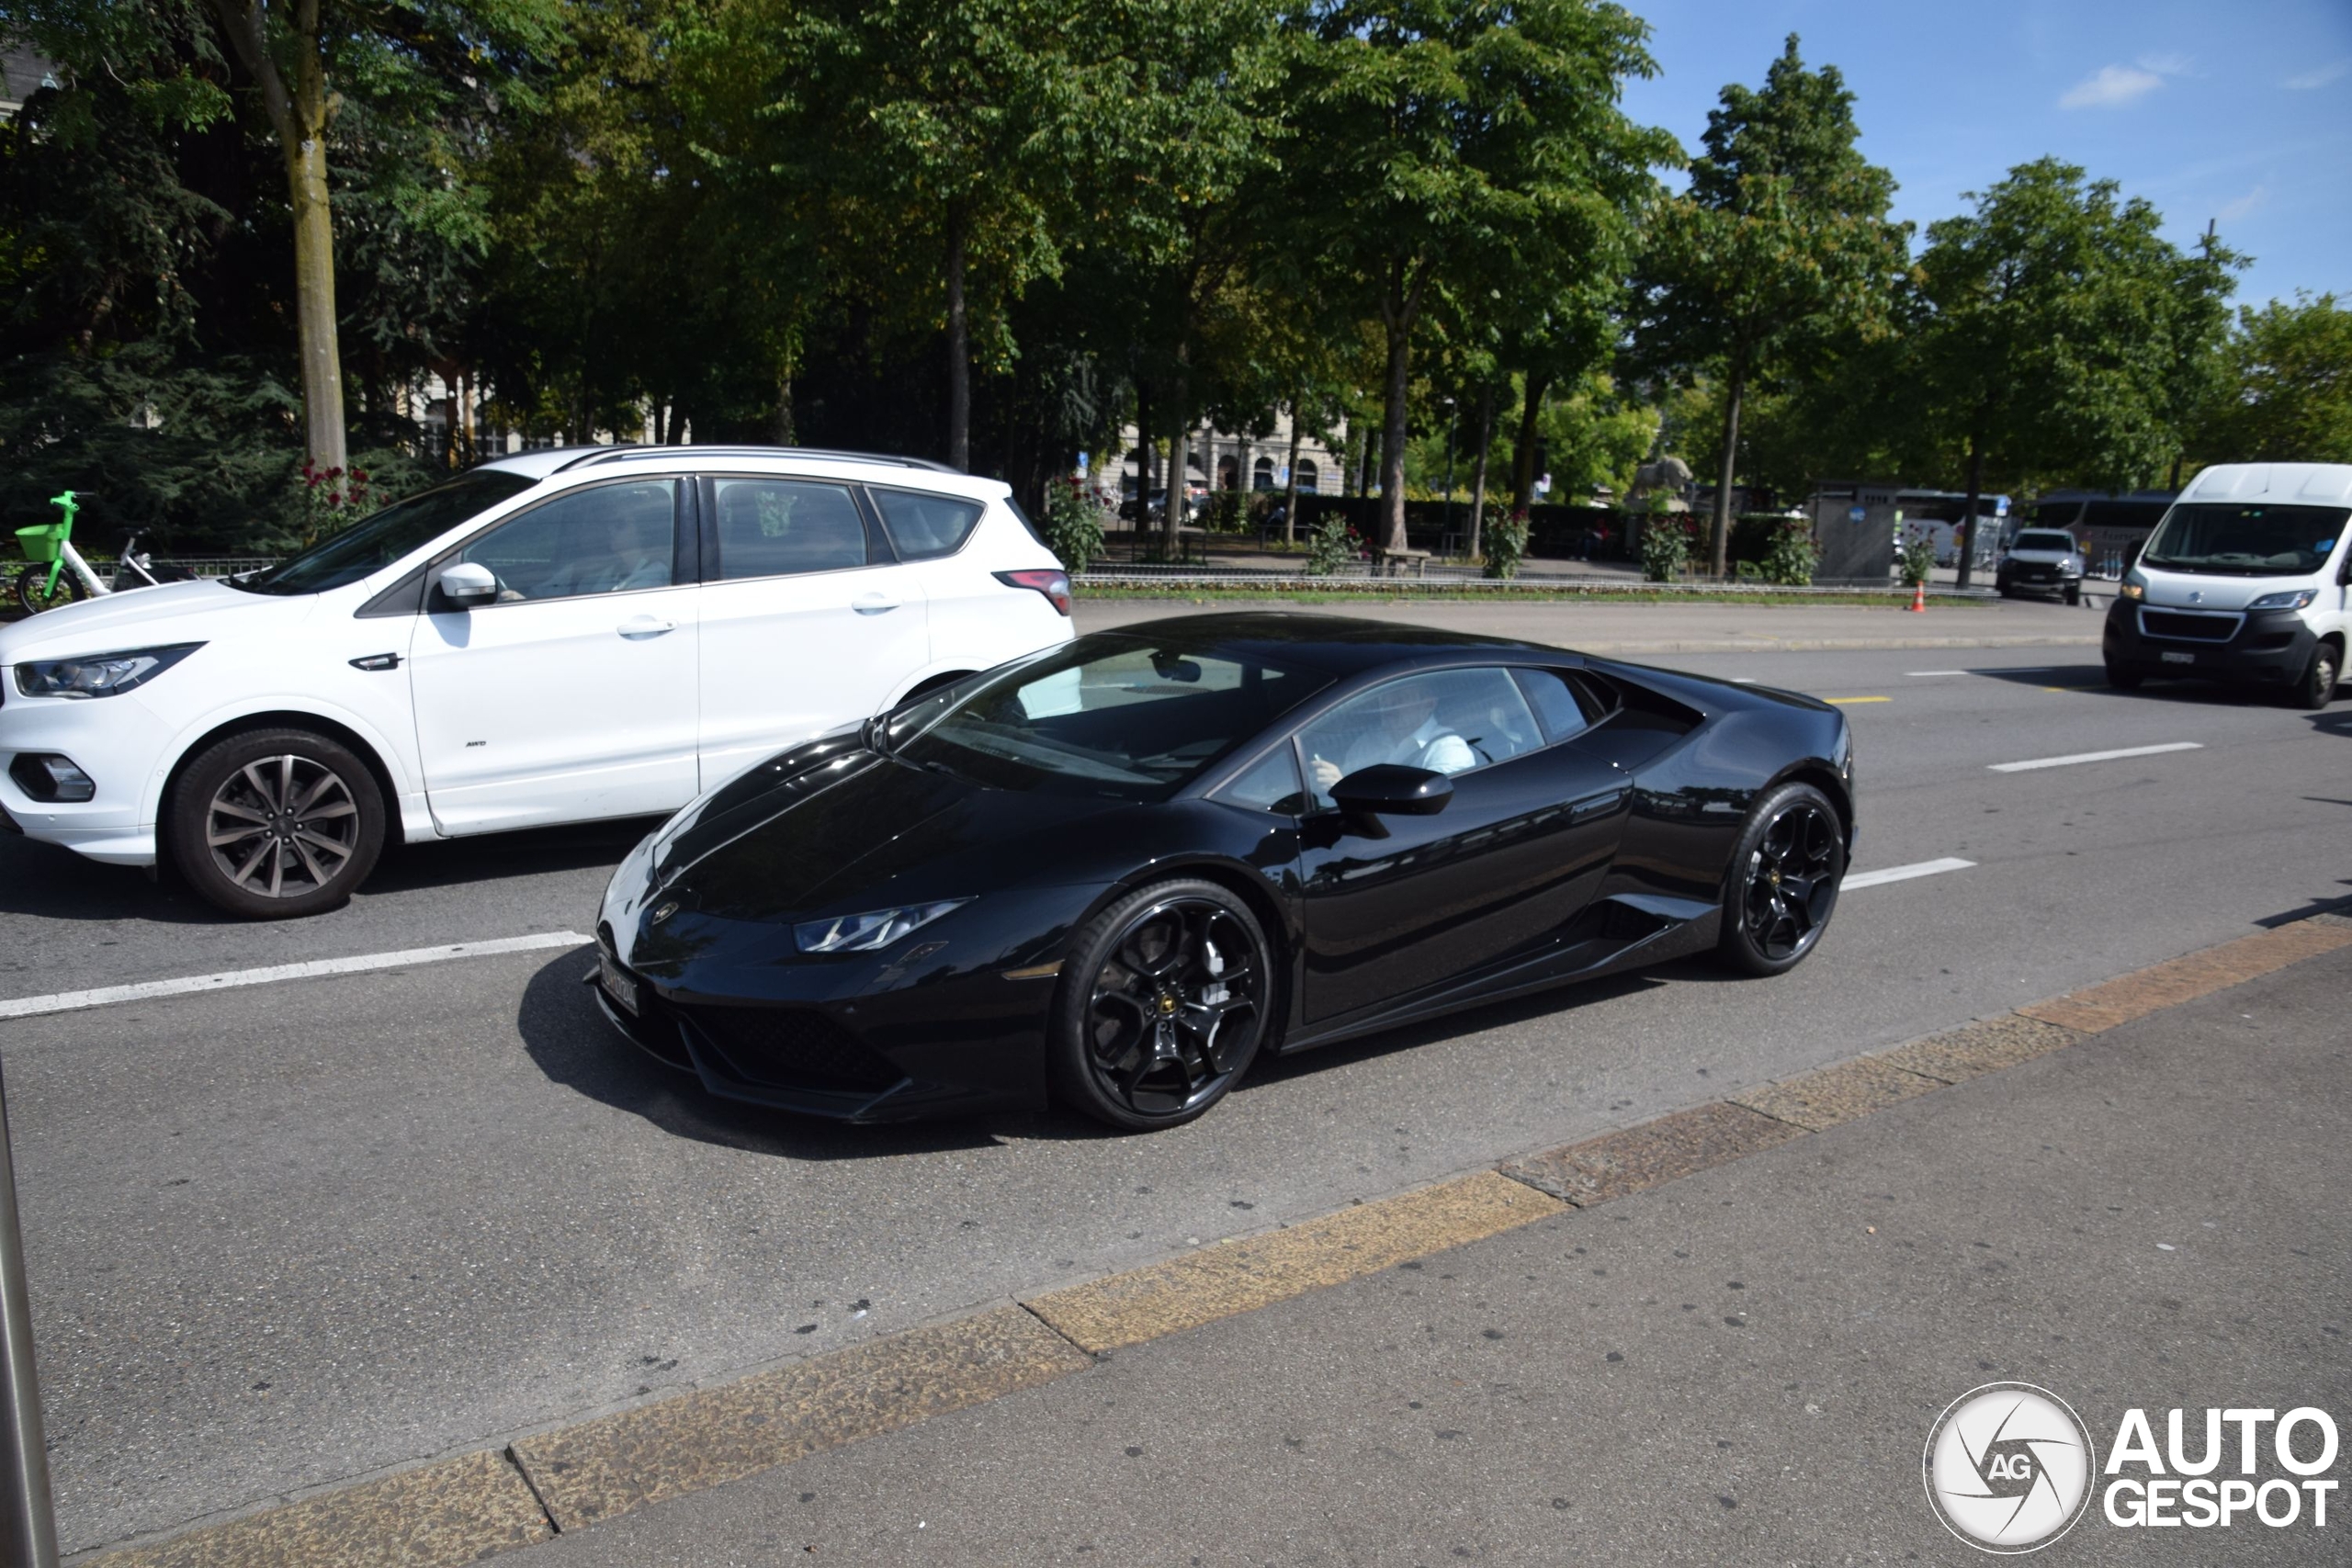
1117	871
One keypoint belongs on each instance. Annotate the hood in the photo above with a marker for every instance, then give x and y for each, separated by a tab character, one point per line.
174	611
863	831
2202	590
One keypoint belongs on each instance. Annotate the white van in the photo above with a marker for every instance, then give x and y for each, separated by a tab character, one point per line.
2245	580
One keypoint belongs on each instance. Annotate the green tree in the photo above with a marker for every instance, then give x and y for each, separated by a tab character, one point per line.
2286	395
2065	329
1447	144
1780	244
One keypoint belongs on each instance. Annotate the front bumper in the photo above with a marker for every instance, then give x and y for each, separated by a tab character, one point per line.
118	741
2037	579
2268	646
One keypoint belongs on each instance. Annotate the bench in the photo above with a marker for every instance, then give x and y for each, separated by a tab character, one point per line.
1389	561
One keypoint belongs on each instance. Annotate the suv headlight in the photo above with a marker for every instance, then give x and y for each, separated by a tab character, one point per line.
874	929
2293	599
99	674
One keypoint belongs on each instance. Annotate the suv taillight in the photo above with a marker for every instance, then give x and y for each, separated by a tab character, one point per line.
1054	584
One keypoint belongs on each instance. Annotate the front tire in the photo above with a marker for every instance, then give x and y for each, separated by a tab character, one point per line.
35	594
276	824
2122	677
2316	689
1782	884
1164	1001
2074	595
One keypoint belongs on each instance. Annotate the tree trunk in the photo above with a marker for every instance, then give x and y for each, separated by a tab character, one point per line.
1392	440
1522	453
1290	480
1478	472
1720	552
787	431
1966	532
959	351
1180	462
298	116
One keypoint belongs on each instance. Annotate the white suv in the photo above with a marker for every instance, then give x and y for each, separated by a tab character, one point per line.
553	637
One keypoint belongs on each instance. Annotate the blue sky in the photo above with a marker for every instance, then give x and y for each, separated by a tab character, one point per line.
2238	113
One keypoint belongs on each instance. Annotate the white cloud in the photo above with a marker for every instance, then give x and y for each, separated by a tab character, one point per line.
2318	78
2251	201
2113	87
2165	64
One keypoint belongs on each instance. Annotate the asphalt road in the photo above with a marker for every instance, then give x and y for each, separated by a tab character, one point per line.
291	1235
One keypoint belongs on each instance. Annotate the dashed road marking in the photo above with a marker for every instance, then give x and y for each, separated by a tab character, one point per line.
2068	762
1903	873
1857	699
190	985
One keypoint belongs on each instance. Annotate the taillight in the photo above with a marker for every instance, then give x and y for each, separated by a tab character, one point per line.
1053	583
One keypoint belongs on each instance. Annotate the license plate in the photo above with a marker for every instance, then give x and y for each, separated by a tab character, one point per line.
617	986
2172	658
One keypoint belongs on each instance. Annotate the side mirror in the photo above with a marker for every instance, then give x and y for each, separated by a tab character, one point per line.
469	583
1391	789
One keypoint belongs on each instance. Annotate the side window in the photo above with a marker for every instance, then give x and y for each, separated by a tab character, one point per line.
1562	707
1451	721
1271	784
607	539
922	526
779	528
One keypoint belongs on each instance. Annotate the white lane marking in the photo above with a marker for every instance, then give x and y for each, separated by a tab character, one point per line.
68	1002
1903	873
2095	757
1916	674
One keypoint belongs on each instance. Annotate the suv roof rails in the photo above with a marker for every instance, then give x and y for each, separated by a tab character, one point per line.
623	454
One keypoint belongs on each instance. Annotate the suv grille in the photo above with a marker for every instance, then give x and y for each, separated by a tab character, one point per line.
2188	627
791	1048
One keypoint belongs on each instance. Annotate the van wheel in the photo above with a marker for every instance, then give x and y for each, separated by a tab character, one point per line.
2122	677
276	824
2317	688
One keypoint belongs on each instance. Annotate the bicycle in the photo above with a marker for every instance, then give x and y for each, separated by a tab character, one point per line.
47	583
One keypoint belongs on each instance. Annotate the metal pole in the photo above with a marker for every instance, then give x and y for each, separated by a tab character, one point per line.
1448	465
27	1527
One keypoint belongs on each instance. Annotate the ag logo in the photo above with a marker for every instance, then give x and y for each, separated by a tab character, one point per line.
2008	1468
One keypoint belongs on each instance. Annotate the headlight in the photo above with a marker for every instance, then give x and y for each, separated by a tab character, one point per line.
2134	589
2294	599
99	674
876	929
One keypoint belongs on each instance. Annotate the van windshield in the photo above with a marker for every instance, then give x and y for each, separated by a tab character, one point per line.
2229	540
374	543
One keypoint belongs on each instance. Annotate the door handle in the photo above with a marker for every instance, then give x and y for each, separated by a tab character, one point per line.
644	627
874	603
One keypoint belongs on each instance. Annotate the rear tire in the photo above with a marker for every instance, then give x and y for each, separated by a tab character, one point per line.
2122	677
35	595
1782	885
1164	1000
2317	687
275	824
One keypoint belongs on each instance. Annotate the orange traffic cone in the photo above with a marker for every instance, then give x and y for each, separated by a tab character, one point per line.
1919	598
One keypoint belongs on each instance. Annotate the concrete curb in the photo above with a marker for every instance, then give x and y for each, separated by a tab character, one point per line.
476	1505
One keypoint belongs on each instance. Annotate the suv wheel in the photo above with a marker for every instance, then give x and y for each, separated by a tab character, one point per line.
275	824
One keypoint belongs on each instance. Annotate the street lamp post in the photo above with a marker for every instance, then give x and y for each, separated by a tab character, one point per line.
1448	465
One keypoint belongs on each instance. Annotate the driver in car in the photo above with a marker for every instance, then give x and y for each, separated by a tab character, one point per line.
636	554
1397	723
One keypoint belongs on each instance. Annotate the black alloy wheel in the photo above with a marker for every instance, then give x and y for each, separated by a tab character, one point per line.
2316	689
276	824
1164	1004
1782	886
35	593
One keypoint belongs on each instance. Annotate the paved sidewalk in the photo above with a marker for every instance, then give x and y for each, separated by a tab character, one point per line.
1741	1366
1639	629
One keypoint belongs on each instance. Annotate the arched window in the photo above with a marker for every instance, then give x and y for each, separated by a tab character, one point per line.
1261	476
1307	477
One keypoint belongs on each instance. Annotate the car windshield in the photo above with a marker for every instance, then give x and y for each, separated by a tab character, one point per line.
2032	541
1115	714
2246	541
369	545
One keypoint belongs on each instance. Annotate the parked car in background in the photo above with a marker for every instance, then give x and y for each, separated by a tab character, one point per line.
2040	560
2111	529
553	637
2245	580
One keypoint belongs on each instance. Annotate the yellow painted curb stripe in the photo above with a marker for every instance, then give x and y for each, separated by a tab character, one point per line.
457	1510
2189	977
1851	700
1254	1272
616	1463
